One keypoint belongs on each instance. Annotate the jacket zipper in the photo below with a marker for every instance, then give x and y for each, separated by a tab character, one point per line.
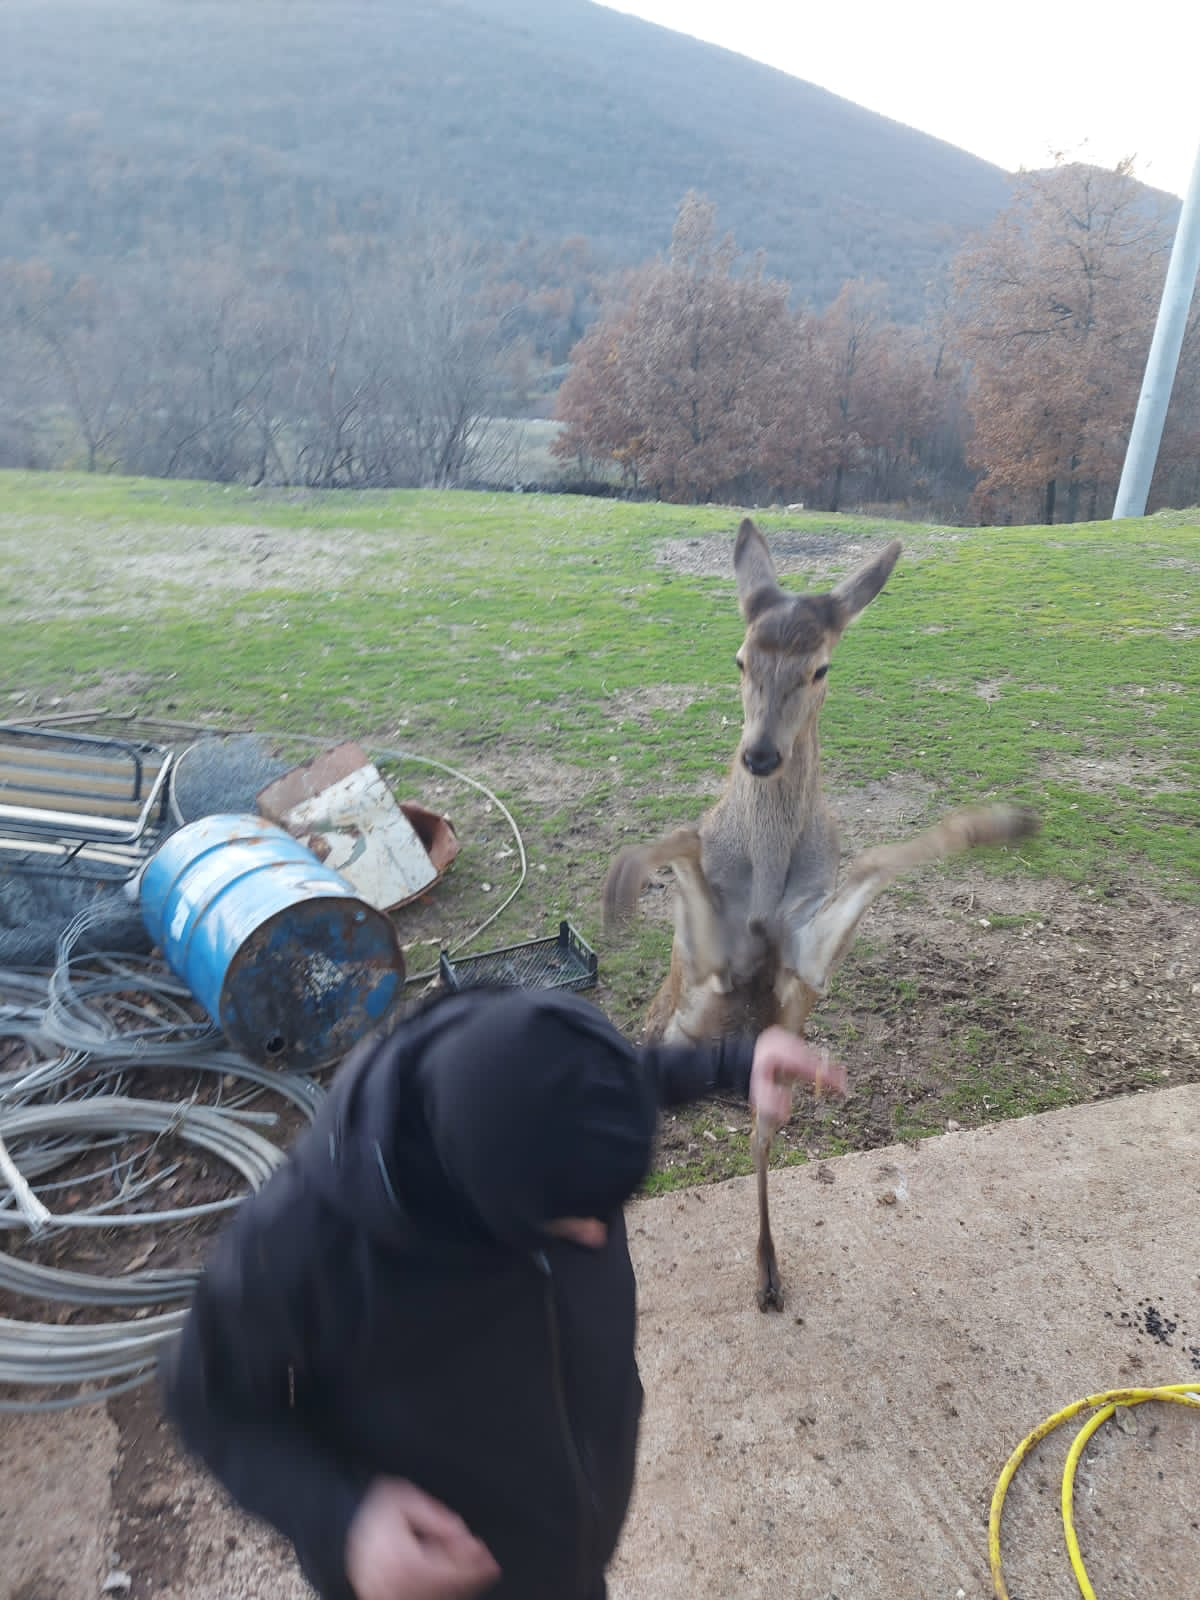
588	1505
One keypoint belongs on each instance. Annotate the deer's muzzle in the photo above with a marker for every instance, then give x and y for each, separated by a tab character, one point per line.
761	759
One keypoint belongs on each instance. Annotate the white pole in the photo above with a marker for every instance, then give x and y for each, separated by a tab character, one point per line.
1151	414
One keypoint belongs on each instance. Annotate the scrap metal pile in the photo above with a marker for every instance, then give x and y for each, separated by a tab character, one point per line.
187	937
86	1151
128	1124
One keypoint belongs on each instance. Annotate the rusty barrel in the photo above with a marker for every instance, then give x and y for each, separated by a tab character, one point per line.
277	948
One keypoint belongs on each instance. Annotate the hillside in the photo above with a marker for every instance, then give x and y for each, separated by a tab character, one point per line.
143	126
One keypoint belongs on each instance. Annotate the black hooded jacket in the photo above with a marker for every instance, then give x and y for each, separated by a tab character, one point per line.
389	1304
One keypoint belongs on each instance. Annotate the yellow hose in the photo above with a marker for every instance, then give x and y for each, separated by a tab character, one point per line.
1185	1394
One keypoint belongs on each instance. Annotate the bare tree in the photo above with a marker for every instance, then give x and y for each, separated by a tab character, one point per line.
76	327
397	370
213	346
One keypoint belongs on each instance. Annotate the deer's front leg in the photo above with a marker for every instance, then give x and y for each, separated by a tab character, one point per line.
814	944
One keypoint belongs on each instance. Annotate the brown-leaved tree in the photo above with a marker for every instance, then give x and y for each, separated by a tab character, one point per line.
1055	309
685	381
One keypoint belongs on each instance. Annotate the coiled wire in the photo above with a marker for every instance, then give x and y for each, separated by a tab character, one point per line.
62	1021
52	1113
38	1354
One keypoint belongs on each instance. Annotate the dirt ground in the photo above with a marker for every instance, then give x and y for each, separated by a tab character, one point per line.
969	996
993	997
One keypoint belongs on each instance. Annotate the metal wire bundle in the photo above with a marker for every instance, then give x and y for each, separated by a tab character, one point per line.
119	1352
80	1030
70	1039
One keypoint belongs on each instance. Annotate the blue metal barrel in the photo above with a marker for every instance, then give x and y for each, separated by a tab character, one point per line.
277	948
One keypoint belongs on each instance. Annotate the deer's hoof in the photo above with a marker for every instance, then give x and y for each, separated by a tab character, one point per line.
770	1293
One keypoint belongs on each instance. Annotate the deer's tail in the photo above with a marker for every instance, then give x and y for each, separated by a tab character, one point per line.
635	863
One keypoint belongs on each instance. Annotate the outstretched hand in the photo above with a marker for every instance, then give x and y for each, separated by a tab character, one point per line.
782	1060
404	1545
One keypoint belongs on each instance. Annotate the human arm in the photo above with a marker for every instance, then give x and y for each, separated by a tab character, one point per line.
764	1069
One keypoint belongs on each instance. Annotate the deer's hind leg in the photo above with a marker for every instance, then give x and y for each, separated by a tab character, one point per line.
699	958
814	946
686	1009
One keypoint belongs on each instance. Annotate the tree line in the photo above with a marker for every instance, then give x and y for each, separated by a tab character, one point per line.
1011	401
378	365
380	362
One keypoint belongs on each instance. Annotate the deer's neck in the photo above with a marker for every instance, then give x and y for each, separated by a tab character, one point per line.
762	827
785	803
762	822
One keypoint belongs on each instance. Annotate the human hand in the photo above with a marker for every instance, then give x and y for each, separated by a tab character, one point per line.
404	1545
781	1060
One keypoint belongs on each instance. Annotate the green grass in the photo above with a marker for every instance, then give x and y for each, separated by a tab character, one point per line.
494	622
505	632
989	1092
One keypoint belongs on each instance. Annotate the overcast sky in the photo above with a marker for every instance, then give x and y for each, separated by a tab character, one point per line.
1011	83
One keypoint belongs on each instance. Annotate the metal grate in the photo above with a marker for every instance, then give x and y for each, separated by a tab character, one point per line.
565	962
76	801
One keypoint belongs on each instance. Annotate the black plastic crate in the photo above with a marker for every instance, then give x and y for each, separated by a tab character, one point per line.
565	962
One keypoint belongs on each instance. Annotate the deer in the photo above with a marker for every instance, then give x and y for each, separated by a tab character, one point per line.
761	918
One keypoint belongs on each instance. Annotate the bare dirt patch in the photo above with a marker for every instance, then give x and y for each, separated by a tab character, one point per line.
100	569
56	1470
113	688
1122	772
972	998
1138	691
990	689
523	776
639	705
868	813
817	556
152	1509
244	558
175	1532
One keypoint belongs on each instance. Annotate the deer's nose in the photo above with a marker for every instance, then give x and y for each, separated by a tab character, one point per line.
761	759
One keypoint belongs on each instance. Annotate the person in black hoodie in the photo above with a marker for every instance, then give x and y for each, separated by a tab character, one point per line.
412	1352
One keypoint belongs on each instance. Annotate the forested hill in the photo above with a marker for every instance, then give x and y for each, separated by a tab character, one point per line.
168	125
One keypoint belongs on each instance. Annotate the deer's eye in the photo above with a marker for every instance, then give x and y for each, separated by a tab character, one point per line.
820	673
741	665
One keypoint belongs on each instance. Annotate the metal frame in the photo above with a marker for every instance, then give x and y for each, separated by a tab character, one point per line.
120	787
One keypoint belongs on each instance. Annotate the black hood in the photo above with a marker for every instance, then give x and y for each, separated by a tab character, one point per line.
482	1118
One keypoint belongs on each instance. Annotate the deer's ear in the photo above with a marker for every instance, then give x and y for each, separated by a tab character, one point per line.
757	584
861	587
